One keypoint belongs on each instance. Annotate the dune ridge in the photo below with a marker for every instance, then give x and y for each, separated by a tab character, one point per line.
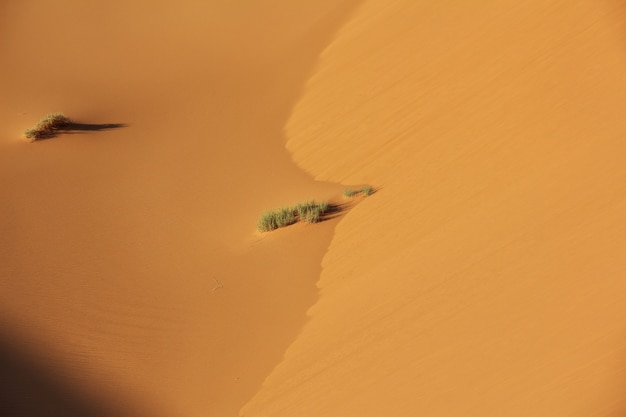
486	276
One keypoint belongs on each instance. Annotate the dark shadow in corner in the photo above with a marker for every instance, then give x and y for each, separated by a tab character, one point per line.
32	384
73	128
27	389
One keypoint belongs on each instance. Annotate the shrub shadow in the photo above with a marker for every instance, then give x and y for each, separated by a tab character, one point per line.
374	191
333	211
73	128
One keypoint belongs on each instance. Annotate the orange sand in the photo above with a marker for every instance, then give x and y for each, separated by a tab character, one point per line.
486	277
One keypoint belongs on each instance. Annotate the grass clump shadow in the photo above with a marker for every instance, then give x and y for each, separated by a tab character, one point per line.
366	191
48	126
308	212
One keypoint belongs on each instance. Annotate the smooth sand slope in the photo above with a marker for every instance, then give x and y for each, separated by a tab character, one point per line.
487	277
110	240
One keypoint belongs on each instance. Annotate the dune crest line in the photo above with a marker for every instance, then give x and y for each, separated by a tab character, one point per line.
486	277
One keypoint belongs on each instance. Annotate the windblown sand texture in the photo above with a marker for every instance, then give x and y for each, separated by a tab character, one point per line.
485	277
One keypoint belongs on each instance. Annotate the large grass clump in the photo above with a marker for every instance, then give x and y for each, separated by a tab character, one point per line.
308	212
366	191
48	126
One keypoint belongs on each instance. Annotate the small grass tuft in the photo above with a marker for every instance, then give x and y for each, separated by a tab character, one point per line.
47	126
366	191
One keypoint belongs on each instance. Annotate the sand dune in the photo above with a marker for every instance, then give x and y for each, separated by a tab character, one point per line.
486	277
129	261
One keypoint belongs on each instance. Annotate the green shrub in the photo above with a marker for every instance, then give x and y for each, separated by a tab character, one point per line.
267	222
301	209
313	216
367	190
286	217
349	193
271	220
47	126
308	212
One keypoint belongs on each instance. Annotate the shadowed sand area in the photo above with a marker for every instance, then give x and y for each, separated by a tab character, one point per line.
490	274
129	261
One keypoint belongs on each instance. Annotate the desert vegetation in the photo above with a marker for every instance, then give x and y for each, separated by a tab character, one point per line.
366	191
307	212
47	126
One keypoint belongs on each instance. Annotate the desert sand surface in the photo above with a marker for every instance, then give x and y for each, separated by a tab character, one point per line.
132	278
486	276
